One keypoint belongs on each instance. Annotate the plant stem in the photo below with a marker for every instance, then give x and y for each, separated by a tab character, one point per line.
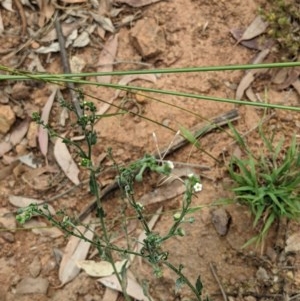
179	273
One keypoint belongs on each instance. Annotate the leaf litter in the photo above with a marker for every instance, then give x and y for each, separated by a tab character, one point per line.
76	250
65	161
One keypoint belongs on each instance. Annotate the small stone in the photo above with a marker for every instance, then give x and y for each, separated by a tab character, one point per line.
148	38
7	118
32	134
32	286
221	221
9	237
35	267
249	298
262	275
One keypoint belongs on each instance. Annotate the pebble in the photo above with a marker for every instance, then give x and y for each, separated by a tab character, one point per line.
7	118
35	267
9	237
148	38
221	221
30	285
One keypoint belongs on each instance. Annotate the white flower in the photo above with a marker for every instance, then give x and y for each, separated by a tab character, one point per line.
170	164
197	187
190	175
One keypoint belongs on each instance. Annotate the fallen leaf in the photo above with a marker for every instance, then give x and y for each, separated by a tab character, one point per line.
256	28
296	86
250	94
21	202
14	137
293	243
29	160
41	178
74	1
1	24
249	77
82	40
7	219
67	29
163	193
102	268
7	170
19	132
292	76
105	63
43	133
133	288
76	249
244	84
47	10
65	161
104	22
41	228
54	47
110	295
137	3
7	4
124	81
257	43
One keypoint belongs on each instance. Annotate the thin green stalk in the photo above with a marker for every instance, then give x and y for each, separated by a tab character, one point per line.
187	282
149	71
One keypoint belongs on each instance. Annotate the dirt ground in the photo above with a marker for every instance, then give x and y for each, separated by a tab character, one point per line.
188	33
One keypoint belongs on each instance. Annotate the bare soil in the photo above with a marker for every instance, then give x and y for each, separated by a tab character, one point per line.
194	33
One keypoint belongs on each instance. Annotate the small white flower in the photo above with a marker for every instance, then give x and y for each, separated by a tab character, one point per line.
191	175
170	164
197	187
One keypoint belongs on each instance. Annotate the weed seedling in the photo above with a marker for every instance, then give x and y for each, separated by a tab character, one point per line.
269	184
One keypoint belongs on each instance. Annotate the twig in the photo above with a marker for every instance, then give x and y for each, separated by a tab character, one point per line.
198	131
66	65
218	281
22	16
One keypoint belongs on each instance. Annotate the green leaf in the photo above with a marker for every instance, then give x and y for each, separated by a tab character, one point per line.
199	286
189	136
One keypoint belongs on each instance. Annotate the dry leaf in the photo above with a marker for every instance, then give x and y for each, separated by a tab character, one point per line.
1	24
7	170
7	219
41	228
110	295
133	288
293	243
47	10
292	76
82	40
105	63
137	3
65	161
14	137
54	47
7	4
67	29
29	160
74	1
124	81
76	249
104	22
21	202
244	84
256	28
163	193
102	268
43	133
250	94
19	132
296	86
